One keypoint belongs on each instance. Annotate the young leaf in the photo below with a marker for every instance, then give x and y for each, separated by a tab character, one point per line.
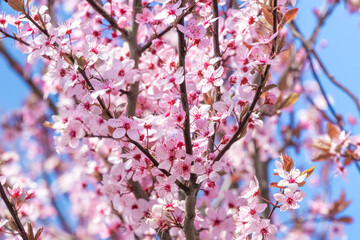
321	157
48	124
30	232
38	233
308	172
290	15
345	219
290	100
274	184
287	162
269	87
332	130
267	13
17	5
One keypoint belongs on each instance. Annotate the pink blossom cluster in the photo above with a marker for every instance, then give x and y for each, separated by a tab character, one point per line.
150	137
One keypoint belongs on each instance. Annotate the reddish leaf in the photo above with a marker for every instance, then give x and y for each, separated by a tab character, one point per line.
17	5
321	157
274	184
308	172
267	13
345	219
48	124
321	145
290	100
348	161
290	15
332	130
287	162
339	205
301	184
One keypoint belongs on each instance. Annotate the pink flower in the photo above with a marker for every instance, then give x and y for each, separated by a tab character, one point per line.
290	179
251	211
211	78
29	194
72	135
166	187
201	112
182	167
255	120
337	230
253	189
170	13
172	79
15	191
124	126
43	45
265	230
270	98
94	50
289	199
4	20
192	29
218	221
207	171
121	71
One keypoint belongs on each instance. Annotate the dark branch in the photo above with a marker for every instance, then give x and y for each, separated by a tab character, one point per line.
264	76
244	122
183	91
216	47
13	213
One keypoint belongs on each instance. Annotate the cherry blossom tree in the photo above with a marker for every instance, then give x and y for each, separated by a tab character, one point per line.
159	120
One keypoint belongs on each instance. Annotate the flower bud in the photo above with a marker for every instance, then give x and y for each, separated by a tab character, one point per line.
244	81
211	156
232	80
231	44
29	194
225	139
270	98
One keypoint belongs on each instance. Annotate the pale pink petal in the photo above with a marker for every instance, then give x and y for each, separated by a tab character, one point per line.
119	133
280	197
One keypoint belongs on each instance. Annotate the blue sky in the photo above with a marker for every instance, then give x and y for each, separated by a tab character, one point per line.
341	56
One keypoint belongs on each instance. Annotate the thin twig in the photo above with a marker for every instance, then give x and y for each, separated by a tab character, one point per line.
156	36
19	70
296	32
162	33
333	80
322	89
100	100
264	76
321	21
216	47
13	213
108	17
273	209
183	91
191	194
14	37
244	122
43	30
156	163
